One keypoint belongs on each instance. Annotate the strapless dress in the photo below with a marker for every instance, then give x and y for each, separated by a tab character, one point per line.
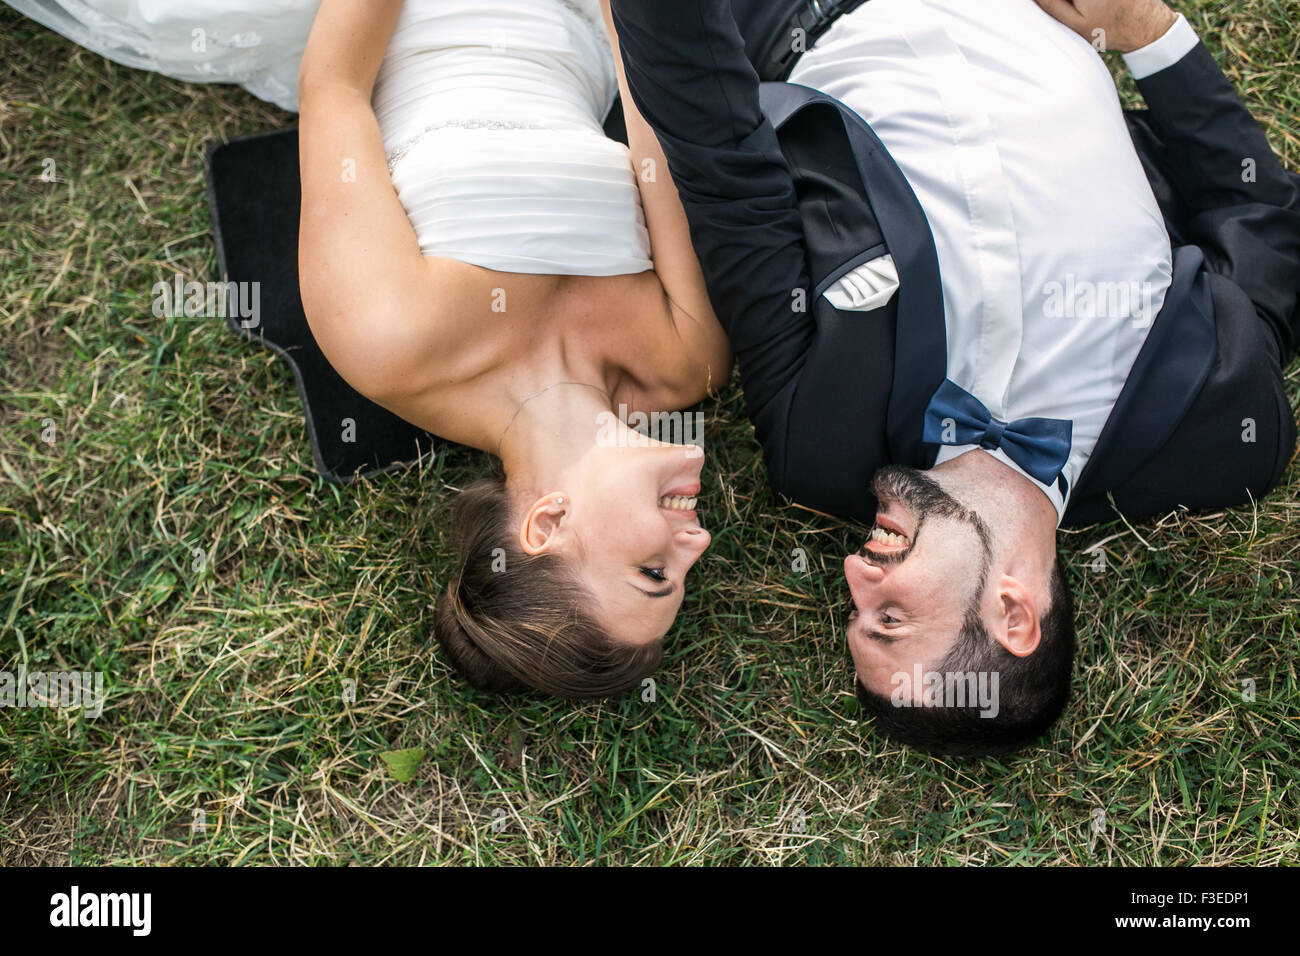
491	113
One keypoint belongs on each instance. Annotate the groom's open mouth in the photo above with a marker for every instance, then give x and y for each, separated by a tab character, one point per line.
887	536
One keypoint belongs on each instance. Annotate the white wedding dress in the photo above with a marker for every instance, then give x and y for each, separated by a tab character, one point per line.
490	112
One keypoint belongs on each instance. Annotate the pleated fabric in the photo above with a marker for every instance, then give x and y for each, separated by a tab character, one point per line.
491	113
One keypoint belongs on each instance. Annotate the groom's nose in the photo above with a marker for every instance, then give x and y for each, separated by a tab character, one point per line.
860	573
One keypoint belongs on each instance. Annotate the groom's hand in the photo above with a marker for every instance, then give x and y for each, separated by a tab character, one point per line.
1125	25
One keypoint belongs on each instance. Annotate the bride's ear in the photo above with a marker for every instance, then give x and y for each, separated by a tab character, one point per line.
541	524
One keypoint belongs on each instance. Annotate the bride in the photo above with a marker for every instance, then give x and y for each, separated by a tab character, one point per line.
473	256
478	257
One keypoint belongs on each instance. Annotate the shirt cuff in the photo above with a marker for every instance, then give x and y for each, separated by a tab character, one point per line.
1177	42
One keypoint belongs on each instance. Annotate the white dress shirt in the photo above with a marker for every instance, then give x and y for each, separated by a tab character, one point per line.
1053	253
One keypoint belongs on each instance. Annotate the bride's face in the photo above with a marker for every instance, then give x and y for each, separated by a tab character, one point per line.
629	526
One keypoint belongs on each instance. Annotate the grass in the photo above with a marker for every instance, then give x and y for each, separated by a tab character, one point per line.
225	684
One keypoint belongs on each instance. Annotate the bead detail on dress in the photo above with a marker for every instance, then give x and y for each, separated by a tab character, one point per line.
401	149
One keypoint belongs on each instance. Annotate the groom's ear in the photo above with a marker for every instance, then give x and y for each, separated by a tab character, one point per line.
1017	627
541	524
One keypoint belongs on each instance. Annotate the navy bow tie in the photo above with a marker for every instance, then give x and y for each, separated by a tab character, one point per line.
1041	446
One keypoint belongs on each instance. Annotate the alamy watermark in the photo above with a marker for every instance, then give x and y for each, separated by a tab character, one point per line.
54	689
240	300
674	428
1084	299
967	689
75	908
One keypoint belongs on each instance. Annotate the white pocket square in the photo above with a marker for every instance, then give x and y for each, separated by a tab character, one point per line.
867	287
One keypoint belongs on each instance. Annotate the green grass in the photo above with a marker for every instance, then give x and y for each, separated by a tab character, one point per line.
225	686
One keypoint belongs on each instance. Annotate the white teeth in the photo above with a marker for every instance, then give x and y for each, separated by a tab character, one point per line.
887	537
678	502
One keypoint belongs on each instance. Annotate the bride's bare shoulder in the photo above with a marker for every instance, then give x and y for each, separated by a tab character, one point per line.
469	324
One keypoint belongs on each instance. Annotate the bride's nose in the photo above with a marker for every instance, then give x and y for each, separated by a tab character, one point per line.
696	539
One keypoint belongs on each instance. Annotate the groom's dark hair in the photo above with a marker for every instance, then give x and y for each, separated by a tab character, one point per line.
1032	690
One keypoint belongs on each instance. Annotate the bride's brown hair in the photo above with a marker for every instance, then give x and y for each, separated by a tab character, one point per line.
509	620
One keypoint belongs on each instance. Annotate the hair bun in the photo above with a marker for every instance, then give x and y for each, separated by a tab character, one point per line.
525	622
466	656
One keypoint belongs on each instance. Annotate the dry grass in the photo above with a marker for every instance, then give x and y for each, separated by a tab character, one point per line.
225	685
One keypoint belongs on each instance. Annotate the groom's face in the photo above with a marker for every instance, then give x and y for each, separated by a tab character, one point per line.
913	582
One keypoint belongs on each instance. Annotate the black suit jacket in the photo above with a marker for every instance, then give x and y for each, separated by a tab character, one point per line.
787	189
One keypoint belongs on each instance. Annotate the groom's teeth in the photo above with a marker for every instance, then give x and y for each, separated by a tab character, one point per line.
678	502
887	537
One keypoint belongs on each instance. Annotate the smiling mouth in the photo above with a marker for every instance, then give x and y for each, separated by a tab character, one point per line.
682	503
887	540
887	536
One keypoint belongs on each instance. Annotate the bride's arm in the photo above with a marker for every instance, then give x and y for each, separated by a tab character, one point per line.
670	237
363	281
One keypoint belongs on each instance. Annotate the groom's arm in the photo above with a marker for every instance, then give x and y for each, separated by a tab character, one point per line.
1244	207
690	79
695	329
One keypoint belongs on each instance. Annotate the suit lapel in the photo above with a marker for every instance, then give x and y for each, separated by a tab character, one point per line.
1165	379
920	341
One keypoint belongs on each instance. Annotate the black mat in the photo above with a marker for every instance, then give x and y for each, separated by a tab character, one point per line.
254	196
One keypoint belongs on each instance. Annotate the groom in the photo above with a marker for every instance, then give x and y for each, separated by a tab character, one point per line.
972	301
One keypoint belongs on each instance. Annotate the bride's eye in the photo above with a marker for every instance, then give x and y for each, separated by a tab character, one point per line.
654	574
